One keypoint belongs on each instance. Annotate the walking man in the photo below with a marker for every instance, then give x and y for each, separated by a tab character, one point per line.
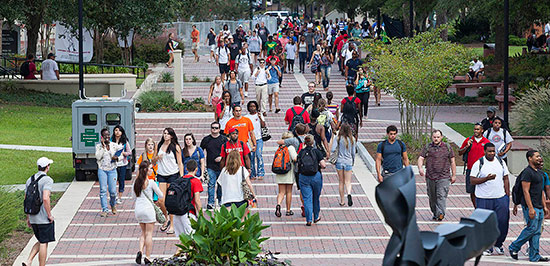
487	122
473	147
195	41
244	67
391	154
500	137
212	144
489	175
261	76
439	158
42	223
273	83
533	208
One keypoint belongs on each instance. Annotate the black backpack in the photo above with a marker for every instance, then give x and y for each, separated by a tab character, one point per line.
307	162
179	197
317	138
349	111
24	69
33	201
465	155
517	190
297	119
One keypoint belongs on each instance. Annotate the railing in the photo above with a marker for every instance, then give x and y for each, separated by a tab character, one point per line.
11	64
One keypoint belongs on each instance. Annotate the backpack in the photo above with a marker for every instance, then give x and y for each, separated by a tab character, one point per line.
179	198
503	132
242	146
349	111
33	201
465	155
281	161
297	119
317	138
24	69
517	190
307	162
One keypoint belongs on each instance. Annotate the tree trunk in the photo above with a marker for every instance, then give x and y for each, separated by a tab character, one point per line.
318	10
499	43
442	19
406	21
33	27
1	28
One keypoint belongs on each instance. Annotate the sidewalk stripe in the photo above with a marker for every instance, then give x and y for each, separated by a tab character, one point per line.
260	184
36	148
174	238
262	196
265	222
262	209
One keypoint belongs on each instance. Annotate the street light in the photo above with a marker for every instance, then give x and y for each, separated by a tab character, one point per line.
505	85
80	53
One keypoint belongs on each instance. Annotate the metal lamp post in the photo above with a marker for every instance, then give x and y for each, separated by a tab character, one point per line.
505	85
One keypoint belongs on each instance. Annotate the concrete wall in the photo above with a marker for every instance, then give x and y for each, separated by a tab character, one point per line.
94	88
128	79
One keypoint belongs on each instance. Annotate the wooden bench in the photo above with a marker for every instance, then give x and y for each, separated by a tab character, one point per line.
500	98
461	87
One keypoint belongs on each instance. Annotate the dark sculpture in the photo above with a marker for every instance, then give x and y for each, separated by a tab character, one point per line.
449	244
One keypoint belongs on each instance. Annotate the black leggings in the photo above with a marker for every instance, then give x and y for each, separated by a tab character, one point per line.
290	64
364	97
303	57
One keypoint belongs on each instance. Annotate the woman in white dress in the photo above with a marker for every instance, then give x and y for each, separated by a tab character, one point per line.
230	180
144	211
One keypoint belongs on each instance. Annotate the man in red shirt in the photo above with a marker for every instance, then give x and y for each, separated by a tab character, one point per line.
235	144
296	110
31	67
182	223
474	147
354	117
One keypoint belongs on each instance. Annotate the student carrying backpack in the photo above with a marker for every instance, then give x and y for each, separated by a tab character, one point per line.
179	198
297	119
350	113
317	138
281	162
24	69
308	163
33	201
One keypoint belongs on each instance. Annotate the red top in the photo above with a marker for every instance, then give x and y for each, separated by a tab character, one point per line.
229	146
357	101
276	59
298	109
476	151
338	40
32	69
196	186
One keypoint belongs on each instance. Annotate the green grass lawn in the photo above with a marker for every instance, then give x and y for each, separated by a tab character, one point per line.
35	125
17	166
465	129
512	50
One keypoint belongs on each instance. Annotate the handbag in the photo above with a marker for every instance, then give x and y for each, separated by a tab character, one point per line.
247	194
265	134
161	219
334	156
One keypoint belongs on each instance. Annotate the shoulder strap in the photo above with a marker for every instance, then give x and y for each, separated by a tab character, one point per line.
383	145
481	161
303	111
402	145
293	111
504	133
38	179
489	131
500	161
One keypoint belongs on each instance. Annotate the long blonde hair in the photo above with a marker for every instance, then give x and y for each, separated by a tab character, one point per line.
233	162
347	134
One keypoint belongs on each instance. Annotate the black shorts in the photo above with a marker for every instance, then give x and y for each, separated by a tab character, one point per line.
224	68
297	178
469	187
45	233
255	53
237	204
167	178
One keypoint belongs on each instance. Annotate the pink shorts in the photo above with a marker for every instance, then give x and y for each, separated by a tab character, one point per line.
216	101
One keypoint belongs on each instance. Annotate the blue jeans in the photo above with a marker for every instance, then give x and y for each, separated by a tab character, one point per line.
326	75
107	179
310	51
213	177
121	172
310	187
530	233
257	167
501	208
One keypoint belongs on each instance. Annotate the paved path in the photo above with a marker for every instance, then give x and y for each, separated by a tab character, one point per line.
346	235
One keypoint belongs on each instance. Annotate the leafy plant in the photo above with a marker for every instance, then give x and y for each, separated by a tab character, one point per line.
166	77
532	112
195	79
224	238
152	101
207	79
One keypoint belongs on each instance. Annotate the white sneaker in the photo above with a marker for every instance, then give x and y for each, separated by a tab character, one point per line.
246	94
118	201
498	251
488	252
209	61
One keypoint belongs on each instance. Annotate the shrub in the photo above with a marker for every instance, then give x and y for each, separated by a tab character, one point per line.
9	93
532	111
152	101
453	98
166	77
12	212
195	79
207	79
224	238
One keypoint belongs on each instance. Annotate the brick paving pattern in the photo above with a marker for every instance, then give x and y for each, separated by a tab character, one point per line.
352	235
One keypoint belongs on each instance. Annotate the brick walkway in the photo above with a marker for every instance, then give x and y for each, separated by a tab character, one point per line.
346	235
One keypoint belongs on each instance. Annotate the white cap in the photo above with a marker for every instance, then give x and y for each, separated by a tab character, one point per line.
43	162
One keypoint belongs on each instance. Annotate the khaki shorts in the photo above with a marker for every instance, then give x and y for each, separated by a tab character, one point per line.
272	88
243	76
195	46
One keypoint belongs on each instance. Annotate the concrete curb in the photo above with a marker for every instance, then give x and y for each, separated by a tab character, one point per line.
367	159
57	187
36	148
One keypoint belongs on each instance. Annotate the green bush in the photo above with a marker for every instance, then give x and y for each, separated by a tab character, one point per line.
12	215
10	94
514	40
532	111
485	91
453	98
166	77
152	101
224	238
526	68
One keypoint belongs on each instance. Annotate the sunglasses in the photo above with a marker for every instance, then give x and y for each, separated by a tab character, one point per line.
215	127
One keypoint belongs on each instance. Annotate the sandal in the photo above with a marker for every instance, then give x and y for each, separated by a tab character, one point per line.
303	211
278	210
289	213
318	219
164	227
260	178
342	204
170	231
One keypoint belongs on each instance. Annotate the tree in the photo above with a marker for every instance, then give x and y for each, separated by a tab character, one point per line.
417	72
349	7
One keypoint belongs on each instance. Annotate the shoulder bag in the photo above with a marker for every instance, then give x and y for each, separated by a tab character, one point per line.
161	219
247	194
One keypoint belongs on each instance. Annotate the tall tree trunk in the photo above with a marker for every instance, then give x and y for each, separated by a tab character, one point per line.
442	19
1	28
406	21
33	27
318	10
499	42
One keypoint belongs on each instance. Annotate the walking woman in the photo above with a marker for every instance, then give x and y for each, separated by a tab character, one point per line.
170	167
216	90
302	53
119	137
346	146
230	180
193	152
286	181
256	159
170	49
290	49
315	63
326	65
224	110
144	210
235	87
106	171
148	155
310	162
362	89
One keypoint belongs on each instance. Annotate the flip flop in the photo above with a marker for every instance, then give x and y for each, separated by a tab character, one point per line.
278	210
289	213
170	231
163	227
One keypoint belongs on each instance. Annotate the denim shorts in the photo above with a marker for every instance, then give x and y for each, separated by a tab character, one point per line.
167	178
343	166
237	204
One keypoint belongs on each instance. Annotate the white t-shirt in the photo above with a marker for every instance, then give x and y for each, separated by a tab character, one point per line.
244	62
223	54
48	69
256	123
262	76
231	185
547	29
497	138
492	189
347	54
290	51
475	66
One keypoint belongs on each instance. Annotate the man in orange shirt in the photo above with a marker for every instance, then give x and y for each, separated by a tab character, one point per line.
243	125
195	42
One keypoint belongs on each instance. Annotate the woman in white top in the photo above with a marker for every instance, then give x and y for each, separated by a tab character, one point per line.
119	137
170	167
286	181
215	94
144	210
106	171
230	181
224	110
290	49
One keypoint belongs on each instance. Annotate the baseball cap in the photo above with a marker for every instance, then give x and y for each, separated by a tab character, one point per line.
230	37
241	25
51	54
231	130
492	109
43	162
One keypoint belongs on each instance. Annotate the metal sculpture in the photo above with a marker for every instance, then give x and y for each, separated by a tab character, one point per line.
448	244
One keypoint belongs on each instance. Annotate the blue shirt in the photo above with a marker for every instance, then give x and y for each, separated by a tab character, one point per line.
196	156
546	180
274	75
392	159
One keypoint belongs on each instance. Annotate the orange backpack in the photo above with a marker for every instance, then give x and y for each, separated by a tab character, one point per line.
281	161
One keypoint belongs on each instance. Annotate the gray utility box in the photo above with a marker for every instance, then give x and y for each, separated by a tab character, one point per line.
89	117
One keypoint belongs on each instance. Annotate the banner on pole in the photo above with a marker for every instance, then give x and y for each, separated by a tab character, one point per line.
66	44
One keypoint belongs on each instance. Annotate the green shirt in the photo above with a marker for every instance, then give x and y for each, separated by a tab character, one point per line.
270	46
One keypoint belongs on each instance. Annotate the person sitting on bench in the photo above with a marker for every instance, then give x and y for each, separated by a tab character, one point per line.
476	70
